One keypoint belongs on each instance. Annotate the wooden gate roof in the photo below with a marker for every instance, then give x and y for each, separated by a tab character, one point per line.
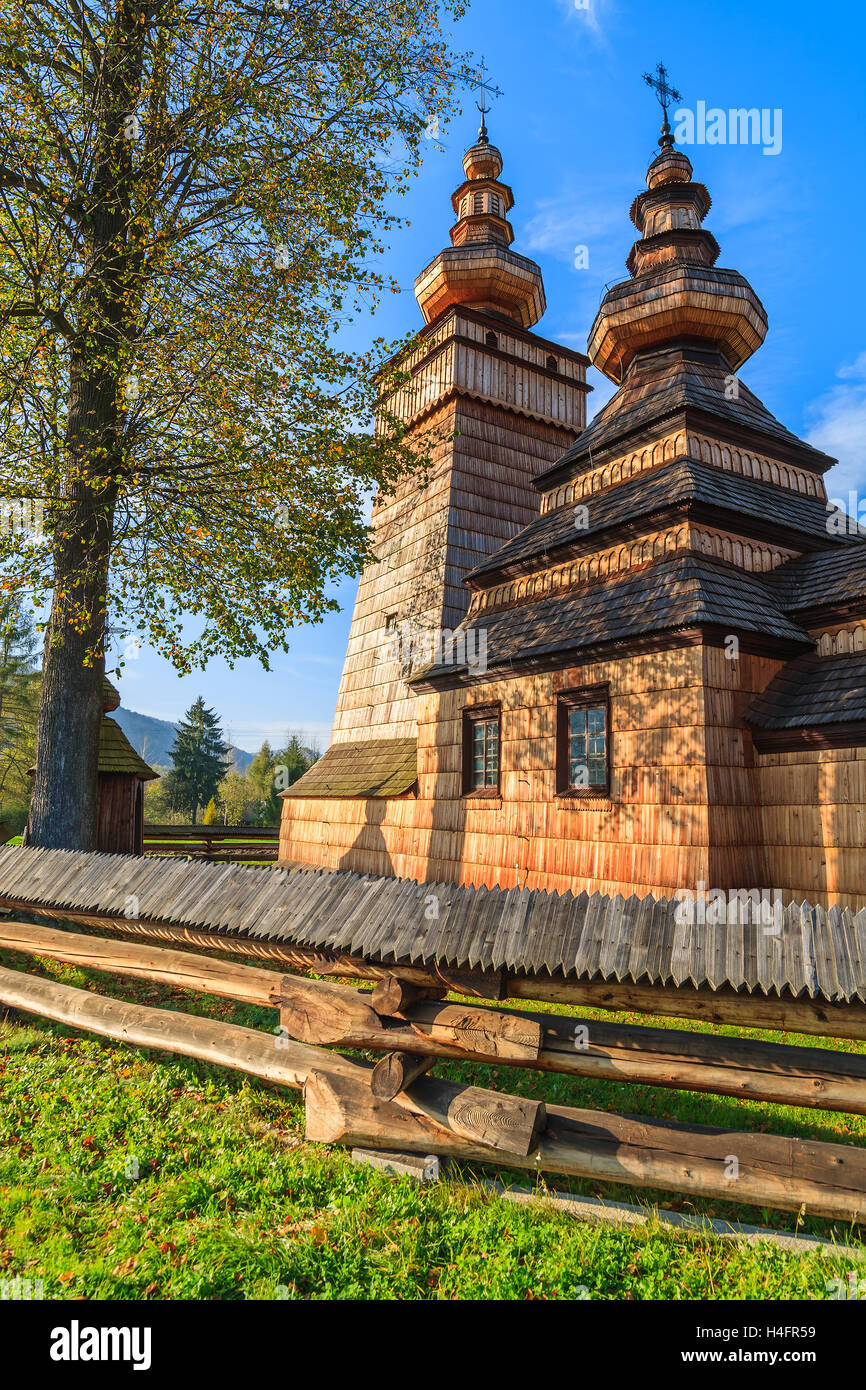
816	953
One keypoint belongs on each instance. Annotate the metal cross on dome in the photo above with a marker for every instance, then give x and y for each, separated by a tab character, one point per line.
660	85
486	89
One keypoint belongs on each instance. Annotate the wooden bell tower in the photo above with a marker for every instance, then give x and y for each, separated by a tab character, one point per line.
503	403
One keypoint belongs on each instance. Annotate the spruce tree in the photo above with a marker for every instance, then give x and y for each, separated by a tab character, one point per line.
199	760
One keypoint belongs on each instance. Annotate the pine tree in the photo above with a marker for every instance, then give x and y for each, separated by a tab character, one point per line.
200	760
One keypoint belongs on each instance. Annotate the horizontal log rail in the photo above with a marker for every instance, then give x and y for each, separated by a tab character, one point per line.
815	1017
211	832
211	842
394	1019
224	1044
464	1122
814	1178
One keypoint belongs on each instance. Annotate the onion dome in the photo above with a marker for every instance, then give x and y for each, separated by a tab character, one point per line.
479	269
676	290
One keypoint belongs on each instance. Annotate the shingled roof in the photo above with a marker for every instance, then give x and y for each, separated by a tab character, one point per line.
811	691
820	579
667	382
684	483
376	767
116	753
683	592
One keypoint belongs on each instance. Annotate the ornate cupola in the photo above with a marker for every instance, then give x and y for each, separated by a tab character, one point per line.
479	269
676	291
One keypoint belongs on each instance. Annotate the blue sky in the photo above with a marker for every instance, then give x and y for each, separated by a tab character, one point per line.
577	128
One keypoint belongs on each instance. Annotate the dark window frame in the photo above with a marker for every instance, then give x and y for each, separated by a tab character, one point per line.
582	697
478	714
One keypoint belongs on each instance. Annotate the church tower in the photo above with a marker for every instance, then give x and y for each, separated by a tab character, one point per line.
500	404
495	404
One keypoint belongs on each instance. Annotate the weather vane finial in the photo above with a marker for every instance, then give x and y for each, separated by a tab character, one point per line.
486	89
666	94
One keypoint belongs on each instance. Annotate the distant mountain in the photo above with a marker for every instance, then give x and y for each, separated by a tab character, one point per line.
153	739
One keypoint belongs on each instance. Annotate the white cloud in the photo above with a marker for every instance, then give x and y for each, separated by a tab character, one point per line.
590	15
569	220
837	425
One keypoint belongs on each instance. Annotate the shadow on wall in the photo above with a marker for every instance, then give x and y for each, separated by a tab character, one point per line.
369	853
446	845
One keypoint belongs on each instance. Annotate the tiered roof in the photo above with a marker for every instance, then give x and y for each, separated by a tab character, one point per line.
685	488
686	593
674	336
688	384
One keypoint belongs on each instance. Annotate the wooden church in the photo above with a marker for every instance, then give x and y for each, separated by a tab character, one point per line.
628	657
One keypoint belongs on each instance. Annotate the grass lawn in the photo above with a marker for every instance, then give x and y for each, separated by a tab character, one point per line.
230	1203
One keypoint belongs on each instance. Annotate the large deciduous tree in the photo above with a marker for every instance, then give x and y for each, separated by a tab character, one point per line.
192	193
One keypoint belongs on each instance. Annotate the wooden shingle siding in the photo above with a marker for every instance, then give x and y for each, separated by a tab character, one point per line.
678	551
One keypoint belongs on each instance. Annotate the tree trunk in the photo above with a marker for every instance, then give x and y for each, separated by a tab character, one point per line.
64	806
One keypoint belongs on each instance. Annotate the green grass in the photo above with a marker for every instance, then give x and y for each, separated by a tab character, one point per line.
230	1203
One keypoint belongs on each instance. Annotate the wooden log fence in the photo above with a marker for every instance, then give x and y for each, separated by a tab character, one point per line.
326	1014
216	843
407	1109
814	1017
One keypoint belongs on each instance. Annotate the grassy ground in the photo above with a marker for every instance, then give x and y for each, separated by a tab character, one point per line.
129	1174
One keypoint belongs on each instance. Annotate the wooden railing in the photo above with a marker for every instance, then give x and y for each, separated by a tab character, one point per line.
242	842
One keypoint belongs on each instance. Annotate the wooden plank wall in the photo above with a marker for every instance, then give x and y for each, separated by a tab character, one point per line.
478	496
690	801
813	816
116	814
649	836
736	834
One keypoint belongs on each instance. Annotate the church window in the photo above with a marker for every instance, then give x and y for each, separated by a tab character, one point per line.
478	204
390	622
481	749
583	742
492	340
552	364
494	205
